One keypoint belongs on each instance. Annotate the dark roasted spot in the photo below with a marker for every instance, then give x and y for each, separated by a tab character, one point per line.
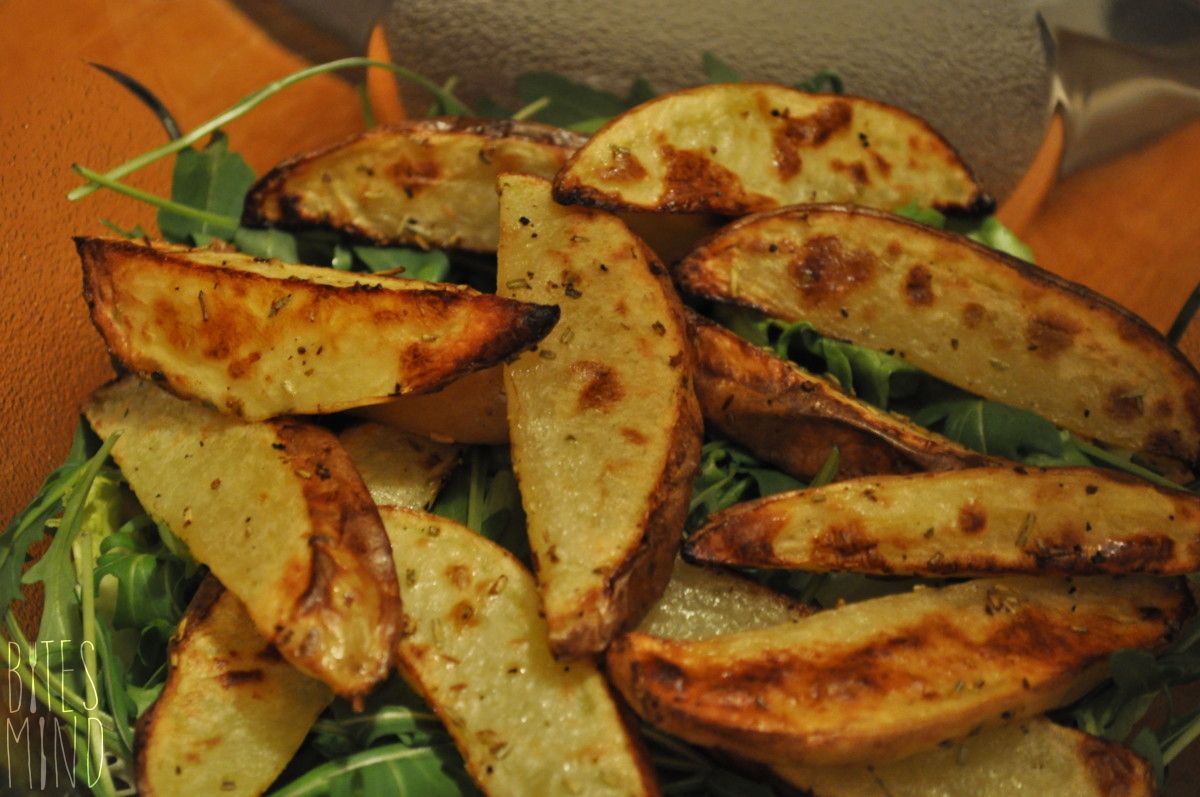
1051	334
824	269
602	388
918	286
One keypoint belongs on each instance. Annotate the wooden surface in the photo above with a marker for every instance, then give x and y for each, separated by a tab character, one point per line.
1129	229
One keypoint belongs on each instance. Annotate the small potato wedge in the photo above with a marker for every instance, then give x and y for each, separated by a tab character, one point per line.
705	601
470	410
980	521
278	513
1031	757
259	338
734	148
794	419
603	419
399	468
876	681
232	713
475	645
989	323
428	182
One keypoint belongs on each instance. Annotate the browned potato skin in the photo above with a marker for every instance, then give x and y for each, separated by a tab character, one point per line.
876	681
794	419
991	324
736	148
232	712
332	605
259	338
428	182
982	521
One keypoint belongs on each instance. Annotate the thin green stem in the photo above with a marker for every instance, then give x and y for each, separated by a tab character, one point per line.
532	108
316	781
1181	742
155	200
449	103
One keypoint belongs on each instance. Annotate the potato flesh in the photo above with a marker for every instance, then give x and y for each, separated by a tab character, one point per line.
470	410
476	647
735	148
232	712
428	182
794	419
980	521
260	338
876	681
279	515
398	468
1033	757
992	325
603	421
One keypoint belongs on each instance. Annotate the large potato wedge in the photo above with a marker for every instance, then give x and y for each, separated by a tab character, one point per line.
470	410
603	419
704	601
734	148
991	324
232	712
259	338
1031	757
277	512
876	681
794	419
429	182
474	644
399	468
998	520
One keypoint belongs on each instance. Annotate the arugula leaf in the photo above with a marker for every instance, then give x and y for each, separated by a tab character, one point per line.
401	261
571	102
717	71
987	230
214	179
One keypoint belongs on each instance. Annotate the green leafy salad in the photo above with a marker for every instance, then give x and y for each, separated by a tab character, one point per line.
115	581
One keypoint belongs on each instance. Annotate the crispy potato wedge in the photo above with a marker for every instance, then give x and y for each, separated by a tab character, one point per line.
876	681
475	645
278	513
980	521
399	468
470	410
429	182
994	325
705	601
259	338
1031	757
232	713
793	419
603	419
734	148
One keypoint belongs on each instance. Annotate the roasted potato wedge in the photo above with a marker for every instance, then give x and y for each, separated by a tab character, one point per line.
232	712
876	681
1031	757
259	338
475	645
399	468
994	325
794	419
704	601
980	521
603	419
429	182
469	410
734	148
278	513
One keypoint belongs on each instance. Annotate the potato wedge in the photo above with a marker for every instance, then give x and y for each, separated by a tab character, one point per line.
399	468
991	324
259	338
704	601
876	681
469	410
277	512
475	645
603	419
1031	757
429	182
734	148
232	713
981	521
794	419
